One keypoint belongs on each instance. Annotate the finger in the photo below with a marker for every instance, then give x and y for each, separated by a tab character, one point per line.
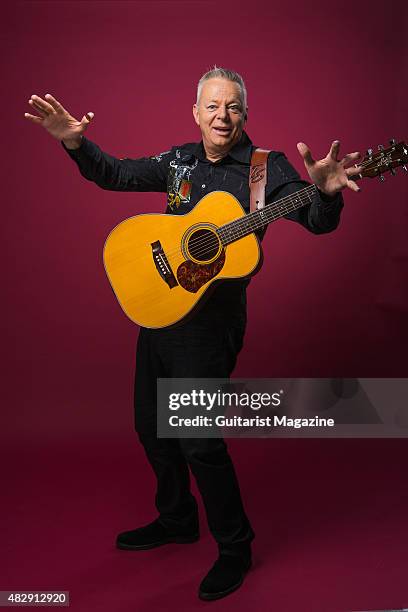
47	108
334	149
353	170
33	118
55	104
38	109
352	185
87	118
349	158
305	153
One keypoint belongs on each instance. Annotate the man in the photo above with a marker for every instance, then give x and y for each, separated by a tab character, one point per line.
208	344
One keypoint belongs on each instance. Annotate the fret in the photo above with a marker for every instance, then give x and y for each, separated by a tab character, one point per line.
271	212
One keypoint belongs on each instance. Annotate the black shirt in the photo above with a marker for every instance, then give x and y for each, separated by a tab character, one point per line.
186	175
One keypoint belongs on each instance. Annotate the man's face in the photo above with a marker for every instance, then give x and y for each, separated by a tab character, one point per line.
220	115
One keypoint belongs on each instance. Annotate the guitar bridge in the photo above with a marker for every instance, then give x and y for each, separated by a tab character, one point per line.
162	264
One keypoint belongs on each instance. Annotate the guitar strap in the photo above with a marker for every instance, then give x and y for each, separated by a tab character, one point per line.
257	178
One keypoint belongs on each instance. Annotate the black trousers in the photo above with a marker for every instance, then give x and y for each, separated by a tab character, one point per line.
196	349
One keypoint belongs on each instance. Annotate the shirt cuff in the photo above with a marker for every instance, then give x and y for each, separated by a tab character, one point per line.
327	202
84	147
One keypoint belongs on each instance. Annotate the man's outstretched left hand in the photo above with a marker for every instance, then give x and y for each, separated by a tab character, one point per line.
329	174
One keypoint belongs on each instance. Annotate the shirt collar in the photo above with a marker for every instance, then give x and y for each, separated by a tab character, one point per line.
240	152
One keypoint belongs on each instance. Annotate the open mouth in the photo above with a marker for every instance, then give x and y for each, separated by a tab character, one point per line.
222	131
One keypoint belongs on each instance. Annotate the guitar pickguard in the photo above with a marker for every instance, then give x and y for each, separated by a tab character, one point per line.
192	276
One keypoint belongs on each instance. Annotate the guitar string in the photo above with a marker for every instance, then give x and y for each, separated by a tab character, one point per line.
204	245
249	223
271	210
237	228
246	220
205	241
266	211
148	295
278	206
268	206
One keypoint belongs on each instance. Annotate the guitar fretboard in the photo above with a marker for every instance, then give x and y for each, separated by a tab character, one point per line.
230	232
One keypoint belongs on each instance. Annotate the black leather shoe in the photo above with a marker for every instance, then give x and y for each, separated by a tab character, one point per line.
152	535
226	576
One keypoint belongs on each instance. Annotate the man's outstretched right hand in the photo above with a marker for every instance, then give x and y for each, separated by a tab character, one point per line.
57	121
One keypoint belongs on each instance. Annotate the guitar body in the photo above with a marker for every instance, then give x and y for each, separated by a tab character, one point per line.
160	265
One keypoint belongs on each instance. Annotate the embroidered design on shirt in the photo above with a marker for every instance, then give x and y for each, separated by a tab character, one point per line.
178	181
159	157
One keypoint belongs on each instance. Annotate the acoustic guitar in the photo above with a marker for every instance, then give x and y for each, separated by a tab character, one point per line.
161	266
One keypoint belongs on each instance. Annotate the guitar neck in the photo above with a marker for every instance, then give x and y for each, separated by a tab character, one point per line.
373	165
230	232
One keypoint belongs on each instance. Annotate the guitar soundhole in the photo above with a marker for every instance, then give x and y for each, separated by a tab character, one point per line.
203	245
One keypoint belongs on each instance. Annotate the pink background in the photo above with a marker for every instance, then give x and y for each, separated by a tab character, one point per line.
333	305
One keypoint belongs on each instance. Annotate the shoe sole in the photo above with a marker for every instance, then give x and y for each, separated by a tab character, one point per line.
213	596
169	540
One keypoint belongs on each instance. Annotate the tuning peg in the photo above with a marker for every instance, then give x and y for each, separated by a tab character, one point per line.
381	147
392	141
369	152
381	177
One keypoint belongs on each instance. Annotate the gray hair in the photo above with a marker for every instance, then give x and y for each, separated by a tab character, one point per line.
229	75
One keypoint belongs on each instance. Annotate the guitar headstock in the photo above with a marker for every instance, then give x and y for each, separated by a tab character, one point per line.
384	160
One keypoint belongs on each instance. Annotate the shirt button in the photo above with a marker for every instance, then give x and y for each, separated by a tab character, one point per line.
203	186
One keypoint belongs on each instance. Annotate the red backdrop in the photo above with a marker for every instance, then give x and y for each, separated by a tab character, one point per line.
332	305
329	305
